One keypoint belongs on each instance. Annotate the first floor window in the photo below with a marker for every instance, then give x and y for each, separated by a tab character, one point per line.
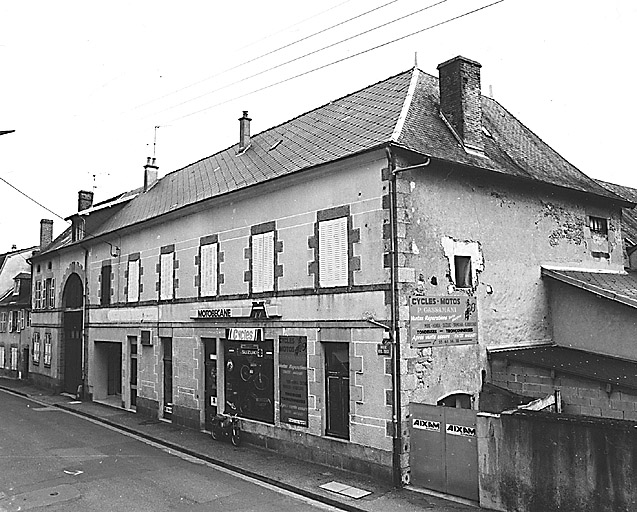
132	285
3	322
263	262
166	275
36	348
208	270
47	349
49	294
105	281
37	299
333	253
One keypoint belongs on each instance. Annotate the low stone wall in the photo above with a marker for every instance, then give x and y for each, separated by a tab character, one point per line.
536	462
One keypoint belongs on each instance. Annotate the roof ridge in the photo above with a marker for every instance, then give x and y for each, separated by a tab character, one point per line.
307	112
400	122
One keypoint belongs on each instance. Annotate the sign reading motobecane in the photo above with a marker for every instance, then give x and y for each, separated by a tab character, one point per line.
442	321
293	379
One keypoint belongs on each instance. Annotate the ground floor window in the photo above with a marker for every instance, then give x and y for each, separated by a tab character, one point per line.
14	358
337	389
249	379
2	356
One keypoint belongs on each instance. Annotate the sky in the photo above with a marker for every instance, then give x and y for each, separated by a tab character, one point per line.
94	88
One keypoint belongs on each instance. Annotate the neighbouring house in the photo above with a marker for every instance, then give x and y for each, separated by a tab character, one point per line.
15	312
339	281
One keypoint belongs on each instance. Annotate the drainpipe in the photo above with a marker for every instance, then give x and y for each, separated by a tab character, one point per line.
85	327
394	326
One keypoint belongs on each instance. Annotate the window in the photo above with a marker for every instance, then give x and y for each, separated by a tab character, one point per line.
2	356
208	269
132	285
105	281
21	320
36	348
457	401
3	322
14	321
37	296
462	265
49	294
14	358
337	389
78	228
16	287
166	273
333	252
598	225
47	349
263	262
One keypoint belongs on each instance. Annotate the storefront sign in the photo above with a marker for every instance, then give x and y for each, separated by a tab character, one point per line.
433	426
244	334
214	313
293	379
255	311
442	321
461	430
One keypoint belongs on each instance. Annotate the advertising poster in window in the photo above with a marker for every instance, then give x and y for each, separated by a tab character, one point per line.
442	321
293	379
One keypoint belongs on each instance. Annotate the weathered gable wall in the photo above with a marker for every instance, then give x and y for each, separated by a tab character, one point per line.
508	229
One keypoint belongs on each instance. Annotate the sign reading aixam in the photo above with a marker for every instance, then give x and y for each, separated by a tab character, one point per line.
442	321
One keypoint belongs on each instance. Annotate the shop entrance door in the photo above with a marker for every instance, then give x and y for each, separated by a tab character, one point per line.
167	358
210	351
444	450
114	369
337	389
72	351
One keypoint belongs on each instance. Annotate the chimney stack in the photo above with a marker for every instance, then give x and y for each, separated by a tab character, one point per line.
84	200
151	172
460	100
46	233
244	131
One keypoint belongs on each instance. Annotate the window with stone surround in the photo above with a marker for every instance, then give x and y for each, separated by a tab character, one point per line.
208	266
167	273
132	278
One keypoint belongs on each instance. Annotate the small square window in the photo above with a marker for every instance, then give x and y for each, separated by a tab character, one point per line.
462	266
598	225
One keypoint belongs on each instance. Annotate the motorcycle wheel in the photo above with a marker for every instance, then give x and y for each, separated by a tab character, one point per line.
235	438
216	433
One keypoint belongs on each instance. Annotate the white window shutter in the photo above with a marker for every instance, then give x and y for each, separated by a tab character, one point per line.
166	276
333	257
268	261
257	263
208	270
133	281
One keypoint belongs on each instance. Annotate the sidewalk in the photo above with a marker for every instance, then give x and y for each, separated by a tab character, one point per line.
294	475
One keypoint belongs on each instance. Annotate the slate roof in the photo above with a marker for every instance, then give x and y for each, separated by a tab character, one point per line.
402	110
629	215
579	363
618	287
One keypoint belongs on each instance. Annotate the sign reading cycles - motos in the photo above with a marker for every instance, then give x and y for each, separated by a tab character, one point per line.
442	321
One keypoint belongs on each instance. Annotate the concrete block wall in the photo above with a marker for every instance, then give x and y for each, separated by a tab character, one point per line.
579	396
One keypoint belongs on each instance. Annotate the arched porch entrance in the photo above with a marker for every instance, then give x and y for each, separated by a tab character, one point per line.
72	302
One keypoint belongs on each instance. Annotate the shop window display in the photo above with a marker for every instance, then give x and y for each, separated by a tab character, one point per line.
249	379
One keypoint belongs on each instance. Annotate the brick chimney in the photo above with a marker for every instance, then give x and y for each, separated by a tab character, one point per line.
151	172
46	233
244	131
460	99
84	200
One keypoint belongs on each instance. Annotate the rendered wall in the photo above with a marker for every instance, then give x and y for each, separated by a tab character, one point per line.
536	462
585	321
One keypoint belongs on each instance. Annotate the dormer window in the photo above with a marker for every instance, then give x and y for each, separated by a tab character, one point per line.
16	287
78	229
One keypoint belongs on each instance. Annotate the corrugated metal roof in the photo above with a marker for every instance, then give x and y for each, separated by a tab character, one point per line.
358	122
606	369
620	287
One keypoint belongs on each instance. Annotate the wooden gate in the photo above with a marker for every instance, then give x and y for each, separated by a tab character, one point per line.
444	450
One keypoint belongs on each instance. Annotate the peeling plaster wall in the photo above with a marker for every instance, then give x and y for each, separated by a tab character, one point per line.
509	230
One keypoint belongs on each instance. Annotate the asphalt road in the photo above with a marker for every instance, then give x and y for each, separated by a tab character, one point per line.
53	460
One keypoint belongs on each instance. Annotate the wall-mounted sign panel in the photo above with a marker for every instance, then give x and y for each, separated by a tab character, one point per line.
442	321
244	334
256	311
293	379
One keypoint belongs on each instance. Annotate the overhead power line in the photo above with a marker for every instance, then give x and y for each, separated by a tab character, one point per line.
332	45
449	20
271	52
31	199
